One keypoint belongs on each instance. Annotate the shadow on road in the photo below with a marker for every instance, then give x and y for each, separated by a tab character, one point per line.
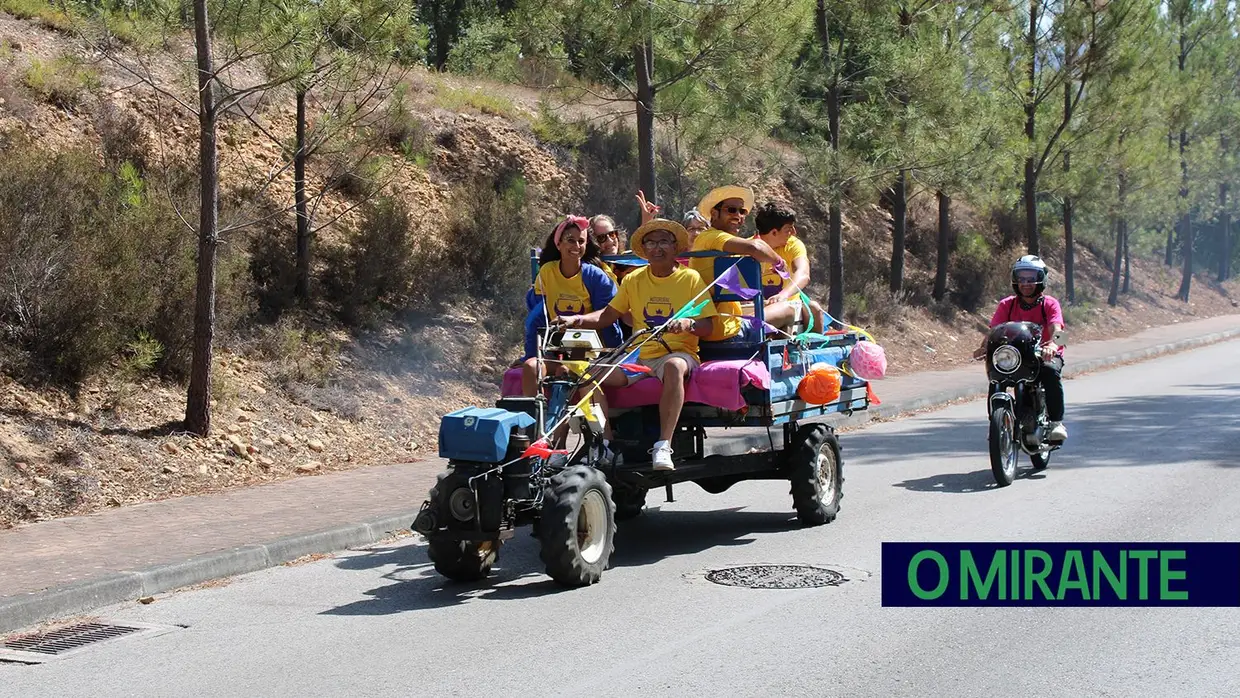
412	584
954	483
657	535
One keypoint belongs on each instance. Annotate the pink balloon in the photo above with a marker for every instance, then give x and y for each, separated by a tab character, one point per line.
868	361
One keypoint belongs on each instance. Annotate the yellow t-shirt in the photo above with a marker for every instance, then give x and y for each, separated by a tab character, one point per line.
728	325
607	267
652	300
565	296
772	282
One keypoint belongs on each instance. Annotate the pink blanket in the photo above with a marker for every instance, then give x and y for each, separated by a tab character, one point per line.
714	383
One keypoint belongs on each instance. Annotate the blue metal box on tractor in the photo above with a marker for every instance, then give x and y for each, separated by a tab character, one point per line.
753	421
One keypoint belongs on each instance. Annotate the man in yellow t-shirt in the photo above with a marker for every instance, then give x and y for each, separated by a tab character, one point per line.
727	208
652	295
776	224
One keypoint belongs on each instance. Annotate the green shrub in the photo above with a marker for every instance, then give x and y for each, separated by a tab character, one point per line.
358	178
549	128
303	356
40	10
373	275
121	138
487	49
62	82
402	130
972	272
272	267
460	99
93	260
488	238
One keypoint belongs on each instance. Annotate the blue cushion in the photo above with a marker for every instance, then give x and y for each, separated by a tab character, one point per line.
742	346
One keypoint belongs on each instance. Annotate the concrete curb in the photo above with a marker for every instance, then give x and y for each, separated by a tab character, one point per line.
25	610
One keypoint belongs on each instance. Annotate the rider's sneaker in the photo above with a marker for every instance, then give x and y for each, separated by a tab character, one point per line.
557	460
606	456
1058	432
661	456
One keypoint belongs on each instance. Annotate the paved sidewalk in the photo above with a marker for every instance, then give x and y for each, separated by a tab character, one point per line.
77	564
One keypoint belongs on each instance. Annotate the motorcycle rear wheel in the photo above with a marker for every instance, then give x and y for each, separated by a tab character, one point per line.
1003	446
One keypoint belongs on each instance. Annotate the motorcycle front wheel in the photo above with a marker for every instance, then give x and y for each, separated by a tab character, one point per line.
1003	446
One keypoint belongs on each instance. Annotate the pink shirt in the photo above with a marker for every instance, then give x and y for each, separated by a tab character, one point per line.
1045	313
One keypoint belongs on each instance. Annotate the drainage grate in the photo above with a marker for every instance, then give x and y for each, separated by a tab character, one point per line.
776	577
59	643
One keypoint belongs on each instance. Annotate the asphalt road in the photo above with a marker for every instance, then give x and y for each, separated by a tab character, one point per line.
1152	456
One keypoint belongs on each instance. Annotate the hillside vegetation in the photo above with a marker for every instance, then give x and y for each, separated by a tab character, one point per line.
439	153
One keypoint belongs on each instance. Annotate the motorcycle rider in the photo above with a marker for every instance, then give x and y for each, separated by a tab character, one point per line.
1031	304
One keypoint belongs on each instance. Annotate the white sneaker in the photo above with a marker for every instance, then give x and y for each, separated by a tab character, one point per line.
662	456
1058	432
557	460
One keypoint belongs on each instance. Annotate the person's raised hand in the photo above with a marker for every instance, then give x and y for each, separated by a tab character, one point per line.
648	208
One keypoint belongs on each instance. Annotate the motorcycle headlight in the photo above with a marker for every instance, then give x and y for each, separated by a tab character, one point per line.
1006	359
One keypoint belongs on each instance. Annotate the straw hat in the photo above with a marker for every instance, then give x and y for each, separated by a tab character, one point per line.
682	236
714	196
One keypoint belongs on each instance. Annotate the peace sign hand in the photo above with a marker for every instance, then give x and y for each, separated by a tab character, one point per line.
648	208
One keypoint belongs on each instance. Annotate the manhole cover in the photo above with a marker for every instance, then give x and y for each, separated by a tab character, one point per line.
37	648
776	577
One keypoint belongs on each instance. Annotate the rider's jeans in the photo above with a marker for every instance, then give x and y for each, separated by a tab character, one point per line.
1052	381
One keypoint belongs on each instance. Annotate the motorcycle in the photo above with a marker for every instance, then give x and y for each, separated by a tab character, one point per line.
1017	401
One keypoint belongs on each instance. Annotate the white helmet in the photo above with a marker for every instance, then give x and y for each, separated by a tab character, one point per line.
1032	263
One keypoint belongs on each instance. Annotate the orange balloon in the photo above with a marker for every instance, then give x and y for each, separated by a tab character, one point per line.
821	384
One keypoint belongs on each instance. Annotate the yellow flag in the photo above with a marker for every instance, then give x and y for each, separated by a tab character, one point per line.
586	409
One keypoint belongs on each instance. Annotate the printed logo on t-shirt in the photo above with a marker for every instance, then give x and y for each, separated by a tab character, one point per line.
568	305
772	283
657	311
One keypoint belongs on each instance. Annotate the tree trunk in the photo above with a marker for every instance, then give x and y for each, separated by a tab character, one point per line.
1121	232
1224	264
1224	227
1112	296
1030	189
642	58
1068	254
835	236
1069	259
940	269
899	215
1169	255
1030	186
1186	276
1186	222
198	401
302	289
1127	262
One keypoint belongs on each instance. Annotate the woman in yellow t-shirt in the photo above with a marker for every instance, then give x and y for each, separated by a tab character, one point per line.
776	226
571	281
